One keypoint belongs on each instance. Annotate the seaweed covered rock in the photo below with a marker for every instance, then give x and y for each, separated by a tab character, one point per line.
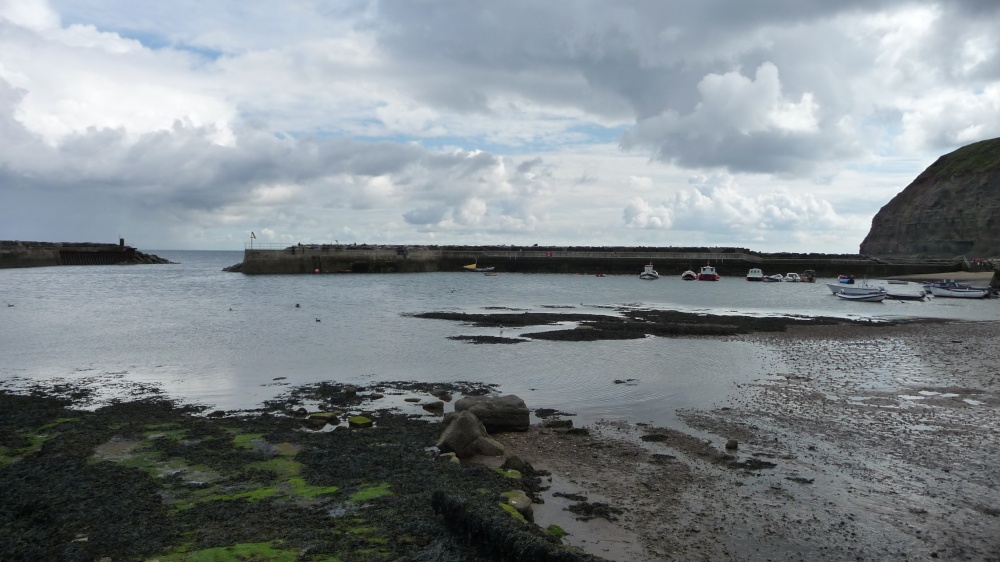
466	436
499	536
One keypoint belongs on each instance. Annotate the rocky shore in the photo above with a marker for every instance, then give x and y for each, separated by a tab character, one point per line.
860	441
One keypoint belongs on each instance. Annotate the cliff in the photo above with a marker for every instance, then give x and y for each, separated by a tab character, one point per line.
951	209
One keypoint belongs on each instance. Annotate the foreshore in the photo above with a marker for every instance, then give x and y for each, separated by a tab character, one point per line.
867	445
856	443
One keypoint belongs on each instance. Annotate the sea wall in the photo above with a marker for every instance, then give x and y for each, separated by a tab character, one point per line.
334	258
17	254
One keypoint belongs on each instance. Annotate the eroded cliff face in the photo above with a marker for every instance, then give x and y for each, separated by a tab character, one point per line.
951	209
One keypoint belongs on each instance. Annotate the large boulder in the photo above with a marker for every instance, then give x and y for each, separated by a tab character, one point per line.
498	413
466	436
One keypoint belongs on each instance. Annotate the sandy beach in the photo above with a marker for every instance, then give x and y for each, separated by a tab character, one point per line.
859	444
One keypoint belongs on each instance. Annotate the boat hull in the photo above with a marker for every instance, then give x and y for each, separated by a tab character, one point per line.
960	293
872	297
855	290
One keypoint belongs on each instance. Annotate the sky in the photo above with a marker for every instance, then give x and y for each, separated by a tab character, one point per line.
773	125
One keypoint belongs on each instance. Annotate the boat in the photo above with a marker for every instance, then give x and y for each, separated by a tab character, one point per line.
755	274
649	273
849	279
475	267
809	276
862	289
689	275
960	292
792	278
490	273
776	278
906	296
950	284
863	297
708	273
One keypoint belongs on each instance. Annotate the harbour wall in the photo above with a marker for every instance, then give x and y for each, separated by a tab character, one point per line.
17	254
333	258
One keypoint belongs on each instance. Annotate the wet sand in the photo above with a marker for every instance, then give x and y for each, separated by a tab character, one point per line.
882	444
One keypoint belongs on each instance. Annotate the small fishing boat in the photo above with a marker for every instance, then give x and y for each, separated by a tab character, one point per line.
848	279
689	275
792	278
755	274
775	278
862	289
897	296
960	292
490	273
649	273
869	297
708	273
809	276
475	267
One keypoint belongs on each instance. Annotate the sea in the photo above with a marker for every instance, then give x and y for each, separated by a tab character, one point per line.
231	341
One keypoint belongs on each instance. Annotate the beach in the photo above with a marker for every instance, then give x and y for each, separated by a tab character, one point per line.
864	444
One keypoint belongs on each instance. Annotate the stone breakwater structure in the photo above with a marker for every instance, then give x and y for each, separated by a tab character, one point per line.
16	254
730	262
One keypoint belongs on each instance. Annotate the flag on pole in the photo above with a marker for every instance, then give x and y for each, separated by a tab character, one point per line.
252	235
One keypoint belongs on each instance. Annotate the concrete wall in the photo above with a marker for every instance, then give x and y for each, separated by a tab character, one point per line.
390	259
15	254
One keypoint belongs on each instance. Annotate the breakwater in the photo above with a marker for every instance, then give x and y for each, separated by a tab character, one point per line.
15	254
730	262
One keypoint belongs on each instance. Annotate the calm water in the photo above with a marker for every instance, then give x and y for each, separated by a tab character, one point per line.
222	338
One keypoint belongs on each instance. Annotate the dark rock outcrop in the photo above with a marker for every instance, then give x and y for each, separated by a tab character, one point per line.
466	437
951	209
498	413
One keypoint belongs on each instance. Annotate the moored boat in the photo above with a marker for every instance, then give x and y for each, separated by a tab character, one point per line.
869	297
474	267
849	279
689	275
792	278
708	273
960	292
775	278
755	274
862	289
649	273
809	276
906	296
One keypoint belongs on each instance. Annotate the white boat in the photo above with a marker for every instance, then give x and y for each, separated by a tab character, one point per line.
708	273
960	292
689	275
870	297
862	289
755	274
898	296
649	273
776	278
792	278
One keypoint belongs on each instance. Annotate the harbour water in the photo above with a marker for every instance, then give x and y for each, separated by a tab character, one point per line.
222	339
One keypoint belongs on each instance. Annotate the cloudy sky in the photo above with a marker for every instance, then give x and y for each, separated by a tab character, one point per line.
776	125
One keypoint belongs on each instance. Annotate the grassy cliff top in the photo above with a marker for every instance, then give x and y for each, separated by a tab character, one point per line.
977	157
